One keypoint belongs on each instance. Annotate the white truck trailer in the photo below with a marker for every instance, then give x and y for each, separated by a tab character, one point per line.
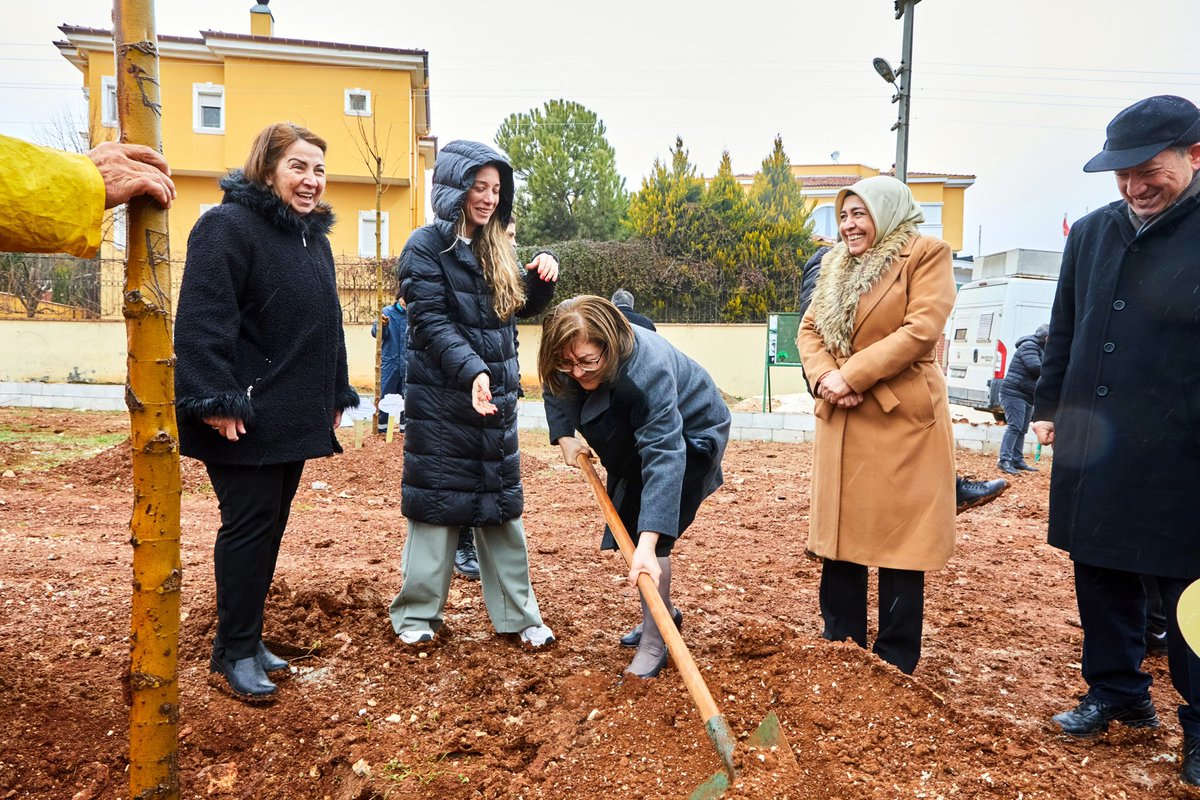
1010	295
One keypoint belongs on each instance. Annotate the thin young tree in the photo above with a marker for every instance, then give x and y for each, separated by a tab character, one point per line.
374	158
150	397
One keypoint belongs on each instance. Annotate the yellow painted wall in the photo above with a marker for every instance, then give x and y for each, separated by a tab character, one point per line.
952	217
59	352
861	170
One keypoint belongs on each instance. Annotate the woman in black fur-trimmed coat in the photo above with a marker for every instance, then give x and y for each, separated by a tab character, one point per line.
261	378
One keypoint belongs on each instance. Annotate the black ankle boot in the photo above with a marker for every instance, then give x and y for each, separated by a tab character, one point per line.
246	678
1022	464
1007	466
1190	772
269	661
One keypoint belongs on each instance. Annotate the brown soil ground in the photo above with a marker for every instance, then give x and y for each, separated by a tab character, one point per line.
474	716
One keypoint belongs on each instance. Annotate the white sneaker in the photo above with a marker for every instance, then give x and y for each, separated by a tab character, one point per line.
536	636
416	637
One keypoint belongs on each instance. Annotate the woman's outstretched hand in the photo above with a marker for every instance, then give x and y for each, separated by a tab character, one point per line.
481	394
546	266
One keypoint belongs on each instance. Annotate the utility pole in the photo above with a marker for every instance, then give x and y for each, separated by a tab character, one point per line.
904	8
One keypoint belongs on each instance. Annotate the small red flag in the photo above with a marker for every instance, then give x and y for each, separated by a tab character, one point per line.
1066	227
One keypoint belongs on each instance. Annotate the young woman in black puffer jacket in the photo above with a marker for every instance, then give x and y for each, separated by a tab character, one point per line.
464	288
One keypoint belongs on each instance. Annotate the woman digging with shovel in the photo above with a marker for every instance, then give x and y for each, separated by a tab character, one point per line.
658	423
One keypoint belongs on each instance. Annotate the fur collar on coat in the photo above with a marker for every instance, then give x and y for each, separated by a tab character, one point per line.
844	279
239	189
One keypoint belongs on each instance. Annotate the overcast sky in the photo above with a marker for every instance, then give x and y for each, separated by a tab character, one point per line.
1016	92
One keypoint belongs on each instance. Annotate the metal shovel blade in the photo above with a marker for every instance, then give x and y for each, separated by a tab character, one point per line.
767	735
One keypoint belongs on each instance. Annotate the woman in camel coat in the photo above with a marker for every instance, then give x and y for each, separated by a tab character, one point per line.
883	461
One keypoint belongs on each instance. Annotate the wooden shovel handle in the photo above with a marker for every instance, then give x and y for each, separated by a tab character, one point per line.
658	610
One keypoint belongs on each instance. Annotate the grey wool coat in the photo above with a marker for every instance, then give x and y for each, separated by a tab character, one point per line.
1121	383
460	468
660	428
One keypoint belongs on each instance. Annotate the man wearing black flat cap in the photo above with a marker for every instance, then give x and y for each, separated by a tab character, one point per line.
1119	398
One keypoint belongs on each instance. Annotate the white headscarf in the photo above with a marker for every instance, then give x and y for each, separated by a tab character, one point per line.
889	202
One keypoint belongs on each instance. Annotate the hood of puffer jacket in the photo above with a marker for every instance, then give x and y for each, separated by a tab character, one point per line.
454	173
241	190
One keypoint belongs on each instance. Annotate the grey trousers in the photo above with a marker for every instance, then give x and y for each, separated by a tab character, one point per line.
428	565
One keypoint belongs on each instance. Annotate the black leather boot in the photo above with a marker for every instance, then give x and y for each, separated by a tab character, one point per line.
972	494
1190	772
1092	716
1022	464
1007	466
270	662
246	679
466	560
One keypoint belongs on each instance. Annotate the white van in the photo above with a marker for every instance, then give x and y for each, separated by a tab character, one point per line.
1011	296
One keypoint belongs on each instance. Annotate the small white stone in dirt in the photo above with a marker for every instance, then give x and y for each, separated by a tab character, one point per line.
342	637
422	655
362	769
510	721
593	714
362	712
335	717
319	485
313	772
413	718
52	557
372	703
8	473
393	718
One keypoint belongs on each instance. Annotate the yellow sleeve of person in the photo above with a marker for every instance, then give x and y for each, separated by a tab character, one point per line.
53	201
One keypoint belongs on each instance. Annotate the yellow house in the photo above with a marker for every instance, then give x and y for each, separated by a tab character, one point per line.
940	196
220	89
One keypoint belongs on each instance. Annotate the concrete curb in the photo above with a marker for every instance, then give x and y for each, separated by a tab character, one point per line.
531	415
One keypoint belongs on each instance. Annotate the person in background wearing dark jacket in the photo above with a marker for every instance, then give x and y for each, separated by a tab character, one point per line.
967	493
658	423
462	467
260	379
623	300
1119	398
1016	397
393	355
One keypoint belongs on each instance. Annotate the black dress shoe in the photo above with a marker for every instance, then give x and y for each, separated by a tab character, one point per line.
245	678
1009	467
972	494
466	559
1022	464
634	637
1092	716
270	662
1190	772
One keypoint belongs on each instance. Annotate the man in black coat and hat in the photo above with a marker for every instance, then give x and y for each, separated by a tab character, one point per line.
1119	398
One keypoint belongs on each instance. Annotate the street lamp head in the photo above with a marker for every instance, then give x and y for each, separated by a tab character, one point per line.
884	69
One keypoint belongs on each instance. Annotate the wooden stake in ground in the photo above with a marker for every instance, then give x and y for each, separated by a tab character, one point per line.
150	397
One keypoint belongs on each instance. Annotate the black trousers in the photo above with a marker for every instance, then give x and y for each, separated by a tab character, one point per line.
843	596
254	502
1112	611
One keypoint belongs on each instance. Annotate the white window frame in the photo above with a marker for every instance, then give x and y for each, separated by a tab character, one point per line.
119	226
366	234
820	207
932	227
108	101
207	90
350	110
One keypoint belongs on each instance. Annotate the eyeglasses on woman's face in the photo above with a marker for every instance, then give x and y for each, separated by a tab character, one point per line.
585	364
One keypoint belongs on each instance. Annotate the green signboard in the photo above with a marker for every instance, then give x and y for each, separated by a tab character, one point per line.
782	329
